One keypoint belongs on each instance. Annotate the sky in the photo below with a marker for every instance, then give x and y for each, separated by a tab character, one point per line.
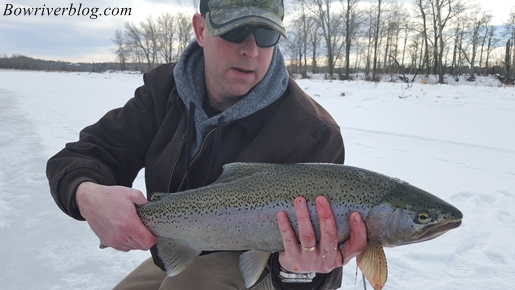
73	38
85	38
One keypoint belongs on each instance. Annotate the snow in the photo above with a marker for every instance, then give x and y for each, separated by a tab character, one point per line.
456	141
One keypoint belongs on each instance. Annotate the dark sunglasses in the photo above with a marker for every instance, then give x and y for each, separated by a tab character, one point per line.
265	36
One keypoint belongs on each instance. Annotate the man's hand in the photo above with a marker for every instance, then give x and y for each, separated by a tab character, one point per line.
323	257
111	214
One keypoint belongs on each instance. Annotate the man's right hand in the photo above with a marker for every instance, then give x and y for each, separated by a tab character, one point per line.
111	213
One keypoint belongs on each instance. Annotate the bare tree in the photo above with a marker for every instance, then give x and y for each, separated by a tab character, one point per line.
492	43
368	34
143	41
351	22
166	36
121	51
406	27
301	30
185	32
314	41
477	21
321	9
510	32
293	46
395	19
507	65
135	42
150	36
458	40
442	12
423	6
377	26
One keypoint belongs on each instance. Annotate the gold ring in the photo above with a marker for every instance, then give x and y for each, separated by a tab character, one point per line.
308	249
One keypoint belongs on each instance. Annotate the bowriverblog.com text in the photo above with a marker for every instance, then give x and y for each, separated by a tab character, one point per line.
71	10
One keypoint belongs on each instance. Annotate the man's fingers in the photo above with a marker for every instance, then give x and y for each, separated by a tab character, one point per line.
121	243
143	237
287	234
137	197
328	233
358	238
331	256
304	254
306	233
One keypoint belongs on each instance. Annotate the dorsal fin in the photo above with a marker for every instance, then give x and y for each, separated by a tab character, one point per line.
156	196
237	170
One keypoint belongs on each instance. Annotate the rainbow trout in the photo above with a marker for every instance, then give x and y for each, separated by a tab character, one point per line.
238	213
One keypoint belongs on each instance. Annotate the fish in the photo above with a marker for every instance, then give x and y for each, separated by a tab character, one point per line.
238	213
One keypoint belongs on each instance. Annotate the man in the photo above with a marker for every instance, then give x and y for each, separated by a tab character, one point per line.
227	99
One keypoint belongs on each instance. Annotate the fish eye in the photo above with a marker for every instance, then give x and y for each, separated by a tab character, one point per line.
423	217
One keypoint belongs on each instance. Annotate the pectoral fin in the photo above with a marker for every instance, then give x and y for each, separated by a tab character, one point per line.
372	263
252	264
175	256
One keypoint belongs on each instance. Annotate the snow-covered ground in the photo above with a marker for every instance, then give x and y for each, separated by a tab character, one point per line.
456	141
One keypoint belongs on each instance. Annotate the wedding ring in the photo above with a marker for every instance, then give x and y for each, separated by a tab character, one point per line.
311	249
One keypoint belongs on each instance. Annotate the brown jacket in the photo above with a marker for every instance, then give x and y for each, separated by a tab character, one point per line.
150	132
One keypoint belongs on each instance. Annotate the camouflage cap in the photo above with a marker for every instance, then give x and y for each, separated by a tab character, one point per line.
225	15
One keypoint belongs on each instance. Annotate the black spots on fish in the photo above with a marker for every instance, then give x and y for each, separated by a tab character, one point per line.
407	197
337	214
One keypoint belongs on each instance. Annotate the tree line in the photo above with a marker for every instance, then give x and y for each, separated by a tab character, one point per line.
342	38
378	37
22	62
153	41
374	37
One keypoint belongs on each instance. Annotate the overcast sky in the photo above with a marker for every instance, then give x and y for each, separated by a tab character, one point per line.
79	38
76	37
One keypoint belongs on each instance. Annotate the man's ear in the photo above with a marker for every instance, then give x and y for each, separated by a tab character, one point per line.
199	26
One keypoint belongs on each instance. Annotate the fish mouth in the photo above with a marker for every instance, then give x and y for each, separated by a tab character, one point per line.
437	231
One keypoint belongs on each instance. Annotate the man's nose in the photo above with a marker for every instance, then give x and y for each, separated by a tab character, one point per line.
249	46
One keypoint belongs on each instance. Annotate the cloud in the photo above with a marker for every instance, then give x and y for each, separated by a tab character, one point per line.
72	35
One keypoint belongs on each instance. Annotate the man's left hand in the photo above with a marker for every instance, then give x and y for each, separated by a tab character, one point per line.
308	256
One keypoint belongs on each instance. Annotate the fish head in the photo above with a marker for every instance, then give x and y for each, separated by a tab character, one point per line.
410	215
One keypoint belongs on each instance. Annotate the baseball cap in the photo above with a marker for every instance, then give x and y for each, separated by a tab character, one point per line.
225	15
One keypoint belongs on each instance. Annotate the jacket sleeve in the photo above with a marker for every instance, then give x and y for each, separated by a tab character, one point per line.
111	151
329	281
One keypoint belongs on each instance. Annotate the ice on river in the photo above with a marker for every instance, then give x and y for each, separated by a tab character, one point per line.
456	141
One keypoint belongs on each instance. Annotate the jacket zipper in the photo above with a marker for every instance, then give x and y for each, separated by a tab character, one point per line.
174	166
208	135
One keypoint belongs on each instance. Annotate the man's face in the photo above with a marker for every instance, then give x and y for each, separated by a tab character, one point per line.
231	69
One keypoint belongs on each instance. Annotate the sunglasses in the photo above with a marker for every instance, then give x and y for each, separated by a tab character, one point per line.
265	36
